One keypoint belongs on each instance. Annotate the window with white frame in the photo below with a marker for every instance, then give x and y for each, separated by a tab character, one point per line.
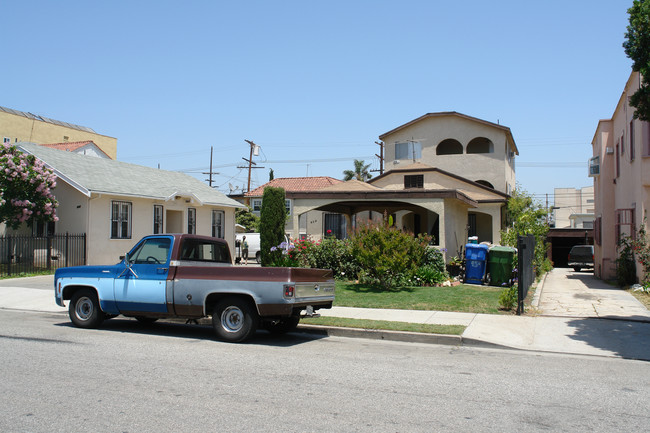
218	220
408	150
121	220
287	206
157	219
257	205
191	220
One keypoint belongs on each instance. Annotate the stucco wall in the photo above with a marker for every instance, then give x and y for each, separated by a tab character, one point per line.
19	128
493	167
630	189
102	249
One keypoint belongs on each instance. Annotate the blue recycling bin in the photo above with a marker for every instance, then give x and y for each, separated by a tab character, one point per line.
475	263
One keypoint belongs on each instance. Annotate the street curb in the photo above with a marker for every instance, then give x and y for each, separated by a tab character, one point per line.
380	334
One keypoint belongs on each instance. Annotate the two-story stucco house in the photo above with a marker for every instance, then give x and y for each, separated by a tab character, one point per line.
620	167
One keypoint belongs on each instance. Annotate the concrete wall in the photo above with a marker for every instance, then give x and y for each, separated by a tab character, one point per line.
19	128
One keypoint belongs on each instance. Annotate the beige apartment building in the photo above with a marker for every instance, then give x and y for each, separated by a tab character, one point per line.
19	126
620	167
573	208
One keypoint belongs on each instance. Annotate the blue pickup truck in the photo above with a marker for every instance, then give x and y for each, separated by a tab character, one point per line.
191	277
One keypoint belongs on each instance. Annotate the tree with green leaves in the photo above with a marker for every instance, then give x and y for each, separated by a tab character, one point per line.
248	219
637	48
525	216
360	171
25	189
272	220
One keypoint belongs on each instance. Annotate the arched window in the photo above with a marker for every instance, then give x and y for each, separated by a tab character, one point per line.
485	183
449	147
480	145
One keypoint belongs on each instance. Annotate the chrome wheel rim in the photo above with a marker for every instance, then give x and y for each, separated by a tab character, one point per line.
232	319
84	308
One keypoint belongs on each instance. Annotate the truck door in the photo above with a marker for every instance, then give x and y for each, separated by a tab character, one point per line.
141	286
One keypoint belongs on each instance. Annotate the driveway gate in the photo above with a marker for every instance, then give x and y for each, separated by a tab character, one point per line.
526	253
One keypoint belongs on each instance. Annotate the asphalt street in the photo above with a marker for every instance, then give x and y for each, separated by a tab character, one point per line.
126	377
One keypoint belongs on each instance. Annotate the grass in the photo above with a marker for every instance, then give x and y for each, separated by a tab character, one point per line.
385	325
644	298
26	274
462	298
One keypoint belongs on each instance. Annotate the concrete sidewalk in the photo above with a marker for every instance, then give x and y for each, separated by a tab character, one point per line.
586	318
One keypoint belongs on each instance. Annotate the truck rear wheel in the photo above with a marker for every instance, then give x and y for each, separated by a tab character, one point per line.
577	268
84	309
234	320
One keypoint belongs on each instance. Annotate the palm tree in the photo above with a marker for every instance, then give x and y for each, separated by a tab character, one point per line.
360	171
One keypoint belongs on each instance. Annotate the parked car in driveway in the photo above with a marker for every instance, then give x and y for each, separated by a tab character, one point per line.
581	256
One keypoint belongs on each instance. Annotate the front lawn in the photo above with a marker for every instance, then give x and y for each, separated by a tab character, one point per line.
464	298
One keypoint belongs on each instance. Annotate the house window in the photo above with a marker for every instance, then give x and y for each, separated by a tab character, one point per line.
334	225
41	229
632	152
624	224
287	206
414	181
6	140
257	205
191	220
618	161
157	219
121	220
449	147
408	150
217	224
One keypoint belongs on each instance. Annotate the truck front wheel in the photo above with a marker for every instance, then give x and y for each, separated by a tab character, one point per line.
84	309
234	320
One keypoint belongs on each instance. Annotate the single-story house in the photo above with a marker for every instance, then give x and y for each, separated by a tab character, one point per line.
115	203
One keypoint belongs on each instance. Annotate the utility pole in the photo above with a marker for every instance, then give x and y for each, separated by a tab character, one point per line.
209	179
250	162
381	158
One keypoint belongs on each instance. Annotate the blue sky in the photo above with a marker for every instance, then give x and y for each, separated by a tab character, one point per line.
315	83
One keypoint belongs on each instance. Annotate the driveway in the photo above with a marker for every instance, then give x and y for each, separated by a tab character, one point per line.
566	293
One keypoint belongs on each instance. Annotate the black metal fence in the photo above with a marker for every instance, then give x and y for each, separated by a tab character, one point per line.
23	254
526	277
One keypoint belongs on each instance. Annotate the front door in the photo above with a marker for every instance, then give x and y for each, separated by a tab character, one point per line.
141	288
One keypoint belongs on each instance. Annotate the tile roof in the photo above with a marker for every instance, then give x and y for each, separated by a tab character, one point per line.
71	146
106	176
296	184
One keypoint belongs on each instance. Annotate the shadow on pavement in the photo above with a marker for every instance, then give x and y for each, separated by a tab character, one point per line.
193	331
625	338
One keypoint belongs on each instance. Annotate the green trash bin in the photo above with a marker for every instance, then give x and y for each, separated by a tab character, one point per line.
500	264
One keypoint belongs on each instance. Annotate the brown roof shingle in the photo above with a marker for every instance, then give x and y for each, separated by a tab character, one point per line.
296	184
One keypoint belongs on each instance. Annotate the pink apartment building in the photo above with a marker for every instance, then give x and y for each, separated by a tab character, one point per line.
620	167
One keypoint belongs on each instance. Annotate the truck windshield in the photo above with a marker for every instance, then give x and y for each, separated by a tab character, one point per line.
204	251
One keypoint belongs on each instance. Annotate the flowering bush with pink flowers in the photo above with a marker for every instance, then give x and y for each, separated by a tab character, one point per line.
25	189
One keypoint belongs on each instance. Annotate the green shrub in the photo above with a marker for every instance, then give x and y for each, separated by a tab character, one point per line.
435	258
388	257
272	219
625	266
429	275
509	297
